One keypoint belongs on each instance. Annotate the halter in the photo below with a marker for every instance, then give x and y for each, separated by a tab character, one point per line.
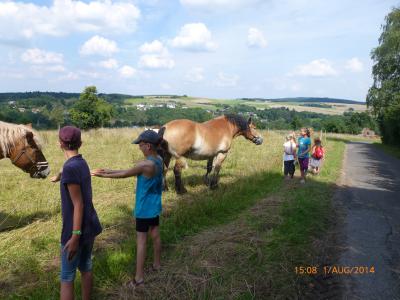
39	165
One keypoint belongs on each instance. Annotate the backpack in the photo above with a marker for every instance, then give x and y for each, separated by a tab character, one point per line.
318	152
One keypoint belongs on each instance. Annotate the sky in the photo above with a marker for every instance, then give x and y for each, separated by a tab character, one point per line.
204	48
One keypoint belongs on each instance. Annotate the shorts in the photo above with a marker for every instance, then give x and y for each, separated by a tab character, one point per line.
289	167
303	163
144	224
82	260
315	163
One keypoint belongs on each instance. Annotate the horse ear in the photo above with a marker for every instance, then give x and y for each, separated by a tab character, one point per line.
249	121
29	135
29	125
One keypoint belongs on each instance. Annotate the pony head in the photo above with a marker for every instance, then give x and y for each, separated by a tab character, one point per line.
246	128
252	134
22	146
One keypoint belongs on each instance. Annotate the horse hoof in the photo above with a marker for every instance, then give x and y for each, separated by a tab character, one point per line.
181	191
213	186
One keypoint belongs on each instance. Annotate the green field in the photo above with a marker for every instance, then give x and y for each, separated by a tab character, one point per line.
250	181
212	104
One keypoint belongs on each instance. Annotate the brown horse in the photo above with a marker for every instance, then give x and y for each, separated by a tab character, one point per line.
21	145
209	141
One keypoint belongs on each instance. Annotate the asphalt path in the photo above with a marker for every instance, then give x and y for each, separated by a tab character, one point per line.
369	195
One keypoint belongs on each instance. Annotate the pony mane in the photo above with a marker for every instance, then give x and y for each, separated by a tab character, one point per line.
11	133
237	120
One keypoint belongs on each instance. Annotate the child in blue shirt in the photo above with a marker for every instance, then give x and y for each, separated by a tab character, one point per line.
147	210
303	153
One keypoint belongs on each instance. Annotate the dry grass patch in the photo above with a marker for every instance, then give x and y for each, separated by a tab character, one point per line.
215	263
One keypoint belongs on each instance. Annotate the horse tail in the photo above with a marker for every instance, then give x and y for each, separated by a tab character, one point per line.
162	148
161	132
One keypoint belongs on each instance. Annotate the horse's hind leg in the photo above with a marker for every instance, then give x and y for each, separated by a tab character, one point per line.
217	167
209	169
167	160
179	165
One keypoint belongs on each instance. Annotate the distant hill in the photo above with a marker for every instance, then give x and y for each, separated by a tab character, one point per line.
4	97
119	97
35	95
307	99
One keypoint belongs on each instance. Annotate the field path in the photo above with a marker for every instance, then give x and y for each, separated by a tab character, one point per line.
370	198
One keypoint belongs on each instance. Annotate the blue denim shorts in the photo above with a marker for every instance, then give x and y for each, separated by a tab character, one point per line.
82	260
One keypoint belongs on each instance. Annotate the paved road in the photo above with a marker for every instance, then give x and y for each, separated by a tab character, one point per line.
370	197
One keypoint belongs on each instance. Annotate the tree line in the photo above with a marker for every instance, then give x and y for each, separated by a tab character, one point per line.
384	95
93	110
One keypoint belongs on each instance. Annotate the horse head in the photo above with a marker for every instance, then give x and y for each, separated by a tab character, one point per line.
251	133
27	155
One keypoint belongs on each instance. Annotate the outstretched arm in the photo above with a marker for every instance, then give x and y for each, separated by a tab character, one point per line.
143	167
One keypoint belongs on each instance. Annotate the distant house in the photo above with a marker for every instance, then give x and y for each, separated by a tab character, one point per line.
368	132
171	105
141	107
35	110
21	109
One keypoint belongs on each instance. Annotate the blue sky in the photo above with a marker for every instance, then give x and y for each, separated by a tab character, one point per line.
203	48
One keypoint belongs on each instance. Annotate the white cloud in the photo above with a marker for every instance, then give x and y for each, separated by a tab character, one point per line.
225	4
155	61
56	69
165	86
316	68
62	17
109	63
194	37
354	65
156	56
40	57
195	74
127	71
154	47
256	39
69	76
100	46
225	80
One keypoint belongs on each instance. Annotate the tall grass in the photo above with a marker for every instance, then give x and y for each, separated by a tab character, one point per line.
255	254
257	224
30	209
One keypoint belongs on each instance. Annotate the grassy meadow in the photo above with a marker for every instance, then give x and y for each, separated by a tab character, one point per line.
215	243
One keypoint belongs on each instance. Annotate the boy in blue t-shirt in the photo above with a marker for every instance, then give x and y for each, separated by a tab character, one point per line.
80	224
303	153
147	210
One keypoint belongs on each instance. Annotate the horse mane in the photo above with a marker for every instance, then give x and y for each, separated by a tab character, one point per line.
11	133
237	120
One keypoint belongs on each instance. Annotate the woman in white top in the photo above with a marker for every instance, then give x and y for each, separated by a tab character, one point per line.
289	156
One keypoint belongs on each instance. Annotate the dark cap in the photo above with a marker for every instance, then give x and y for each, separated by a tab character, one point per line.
70	135
148	136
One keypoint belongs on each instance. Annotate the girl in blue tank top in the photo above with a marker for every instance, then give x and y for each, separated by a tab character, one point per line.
147	210
148	192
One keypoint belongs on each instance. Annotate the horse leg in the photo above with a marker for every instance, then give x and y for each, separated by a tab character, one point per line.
209	169
167	160
219	159
179	165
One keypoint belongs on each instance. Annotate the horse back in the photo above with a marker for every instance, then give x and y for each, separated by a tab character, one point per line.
180	135
197	140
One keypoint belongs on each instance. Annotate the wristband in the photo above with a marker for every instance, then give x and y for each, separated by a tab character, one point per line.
78	232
